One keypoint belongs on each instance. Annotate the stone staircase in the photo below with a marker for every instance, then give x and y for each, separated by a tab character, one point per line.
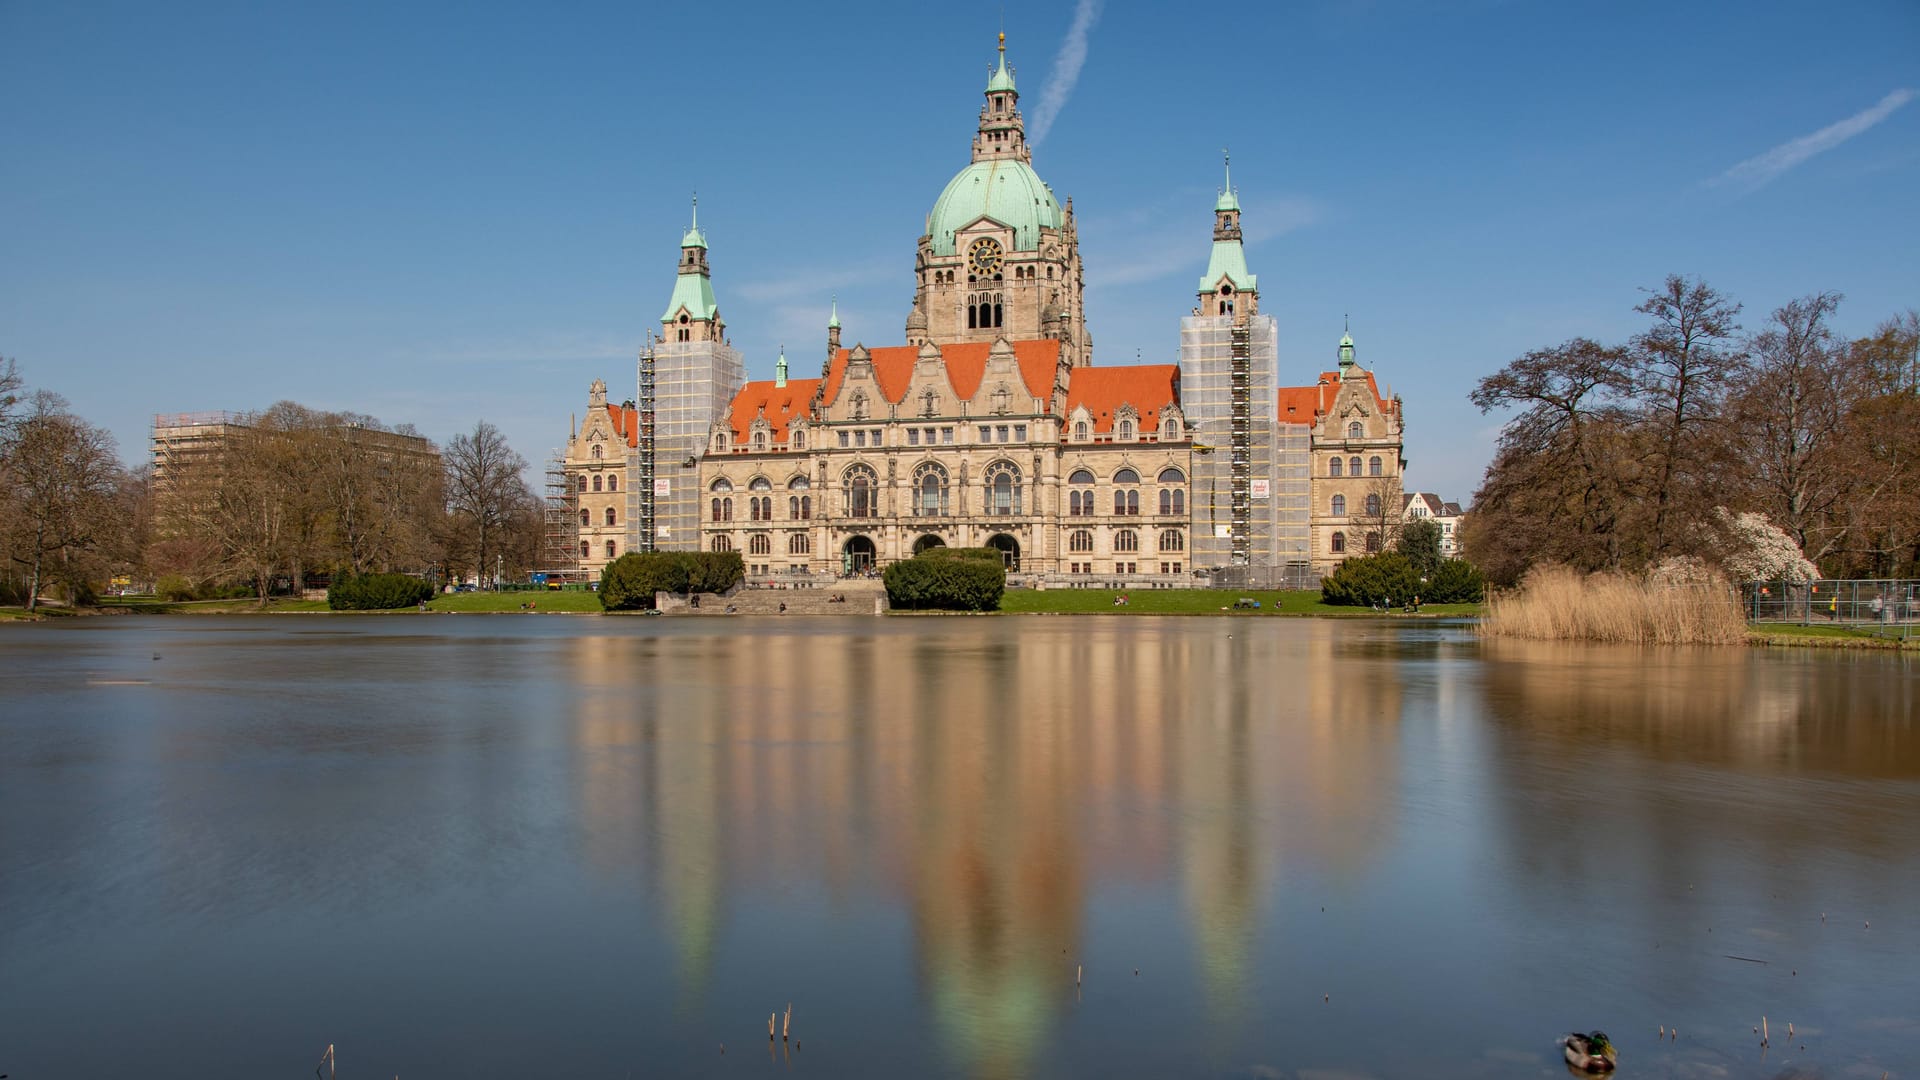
863	597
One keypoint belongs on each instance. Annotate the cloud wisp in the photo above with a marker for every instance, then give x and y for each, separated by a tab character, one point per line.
1066	69
1762	169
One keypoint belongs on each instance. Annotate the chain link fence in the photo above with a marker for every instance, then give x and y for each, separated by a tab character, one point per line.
1890	606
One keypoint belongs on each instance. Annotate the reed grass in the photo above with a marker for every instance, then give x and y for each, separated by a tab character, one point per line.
1556	603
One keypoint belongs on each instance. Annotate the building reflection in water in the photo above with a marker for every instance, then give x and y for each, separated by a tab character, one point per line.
987	779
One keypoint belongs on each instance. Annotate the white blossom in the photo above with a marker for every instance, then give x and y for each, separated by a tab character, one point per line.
1756	550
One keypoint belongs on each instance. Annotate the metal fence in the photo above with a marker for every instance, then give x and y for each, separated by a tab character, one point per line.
1890	606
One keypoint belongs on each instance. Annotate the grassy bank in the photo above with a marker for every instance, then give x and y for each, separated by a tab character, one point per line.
574	600
1826	637
459	602
1191	602
1558	604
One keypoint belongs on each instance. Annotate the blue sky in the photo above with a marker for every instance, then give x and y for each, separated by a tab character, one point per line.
438	214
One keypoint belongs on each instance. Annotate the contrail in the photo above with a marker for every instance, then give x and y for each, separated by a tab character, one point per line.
1759	170
1066	69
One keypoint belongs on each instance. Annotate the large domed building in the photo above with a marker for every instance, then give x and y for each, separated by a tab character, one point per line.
992	426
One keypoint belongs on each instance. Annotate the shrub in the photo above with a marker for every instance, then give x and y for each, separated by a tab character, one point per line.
985	554
630	581
174	587
1454	581
1371	579
946	582
376	592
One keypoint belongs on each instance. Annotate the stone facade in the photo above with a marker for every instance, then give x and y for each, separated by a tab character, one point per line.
992	426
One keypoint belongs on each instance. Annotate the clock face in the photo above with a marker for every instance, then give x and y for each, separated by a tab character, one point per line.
984	255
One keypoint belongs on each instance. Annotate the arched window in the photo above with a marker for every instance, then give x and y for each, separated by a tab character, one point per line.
1080	540
596	451
583	485
1172	540
1170	429
723	509
586	550
759	441
1126	497
596	483
1081	432
723	542
1003	488
760	544
1080	499
1355	431
586	519
798	440
799	507
610	517
1126	540
720	442
1353	466
613	483
1373	543
1171	475
721	485
1173	500
799	544
1373	466
1333	467
1125	431
1339	506
1339	543
930	490
862	490
611	549
1126	476
1373	506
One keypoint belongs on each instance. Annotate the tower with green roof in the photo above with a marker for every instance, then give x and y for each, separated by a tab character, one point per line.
1000	257
686	379
1251	483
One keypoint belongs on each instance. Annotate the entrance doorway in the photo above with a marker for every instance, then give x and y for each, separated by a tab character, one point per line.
1008	547
858	556
927	541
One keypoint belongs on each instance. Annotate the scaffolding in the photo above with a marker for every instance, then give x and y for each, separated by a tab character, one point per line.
560	547
1227	393
685	388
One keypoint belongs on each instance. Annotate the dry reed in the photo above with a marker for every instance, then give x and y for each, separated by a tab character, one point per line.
1556	603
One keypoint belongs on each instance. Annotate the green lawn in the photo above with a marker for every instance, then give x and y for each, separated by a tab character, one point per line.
552	600
1789	633
149	605
1192	602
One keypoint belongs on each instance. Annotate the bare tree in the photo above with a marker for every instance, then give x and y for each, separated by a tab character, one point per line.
1682	365
60	478
483	486
1789	411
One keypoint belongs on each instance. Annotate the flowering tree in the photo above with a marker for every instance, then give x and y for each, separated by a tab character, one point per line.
1757	550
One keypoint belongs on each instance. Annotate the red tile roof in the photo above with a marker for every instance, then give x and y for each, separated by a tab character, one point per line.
1304	404
1149	388
626	422
782	404
966	365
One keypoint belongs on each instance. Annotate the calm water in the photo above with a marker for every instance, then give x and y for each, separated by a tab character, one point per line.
551	846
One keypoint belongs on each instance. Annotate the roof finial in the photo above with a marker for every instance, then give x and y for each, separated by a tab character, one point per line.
1003	41
1346	323
833	320
696	209
1226	160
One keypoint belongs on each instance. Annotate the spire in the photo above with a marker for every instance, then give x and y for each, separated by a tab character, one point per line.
694	238
1346	346
780	369
1002	78
833	320
1228	200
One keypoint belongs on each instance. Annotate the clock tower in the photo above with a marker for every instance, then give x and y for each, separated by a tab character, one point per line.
1001	256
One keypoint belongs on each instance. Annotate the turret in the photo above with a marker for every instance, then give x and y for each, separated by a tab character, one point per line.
691	312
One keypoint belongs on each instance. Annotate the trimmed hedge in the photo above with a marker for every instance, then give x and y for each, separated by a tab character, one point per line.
949	582
1391	576
630	581
376	592
985	554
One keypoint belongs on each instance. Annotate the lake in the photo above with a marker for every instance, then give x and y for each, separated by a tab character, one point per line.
576	846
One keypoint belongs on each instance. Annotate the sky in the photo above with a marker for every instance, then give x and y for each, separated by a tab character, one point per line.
438	214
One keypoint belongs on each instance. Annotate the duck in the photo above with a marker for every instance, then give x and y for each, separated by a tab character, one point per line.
1592	1052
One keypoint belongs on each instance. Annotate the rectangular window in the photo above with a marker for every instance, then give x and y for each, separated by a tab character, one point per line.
1176	568
1000	433
1019	433
860	437
913	436
843	440
930	434
946	435
876	436
986	434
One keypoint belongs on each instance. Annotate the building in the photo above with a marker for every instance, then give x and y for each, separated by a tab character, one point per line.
1447	515
181	442
992	426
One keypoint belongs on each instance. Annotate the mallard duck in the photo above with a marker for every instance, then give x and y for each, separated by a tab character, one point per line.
1592	1052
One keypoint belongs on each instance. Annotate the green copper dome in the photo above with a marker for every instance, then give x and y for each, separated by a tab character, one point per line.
1006	190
